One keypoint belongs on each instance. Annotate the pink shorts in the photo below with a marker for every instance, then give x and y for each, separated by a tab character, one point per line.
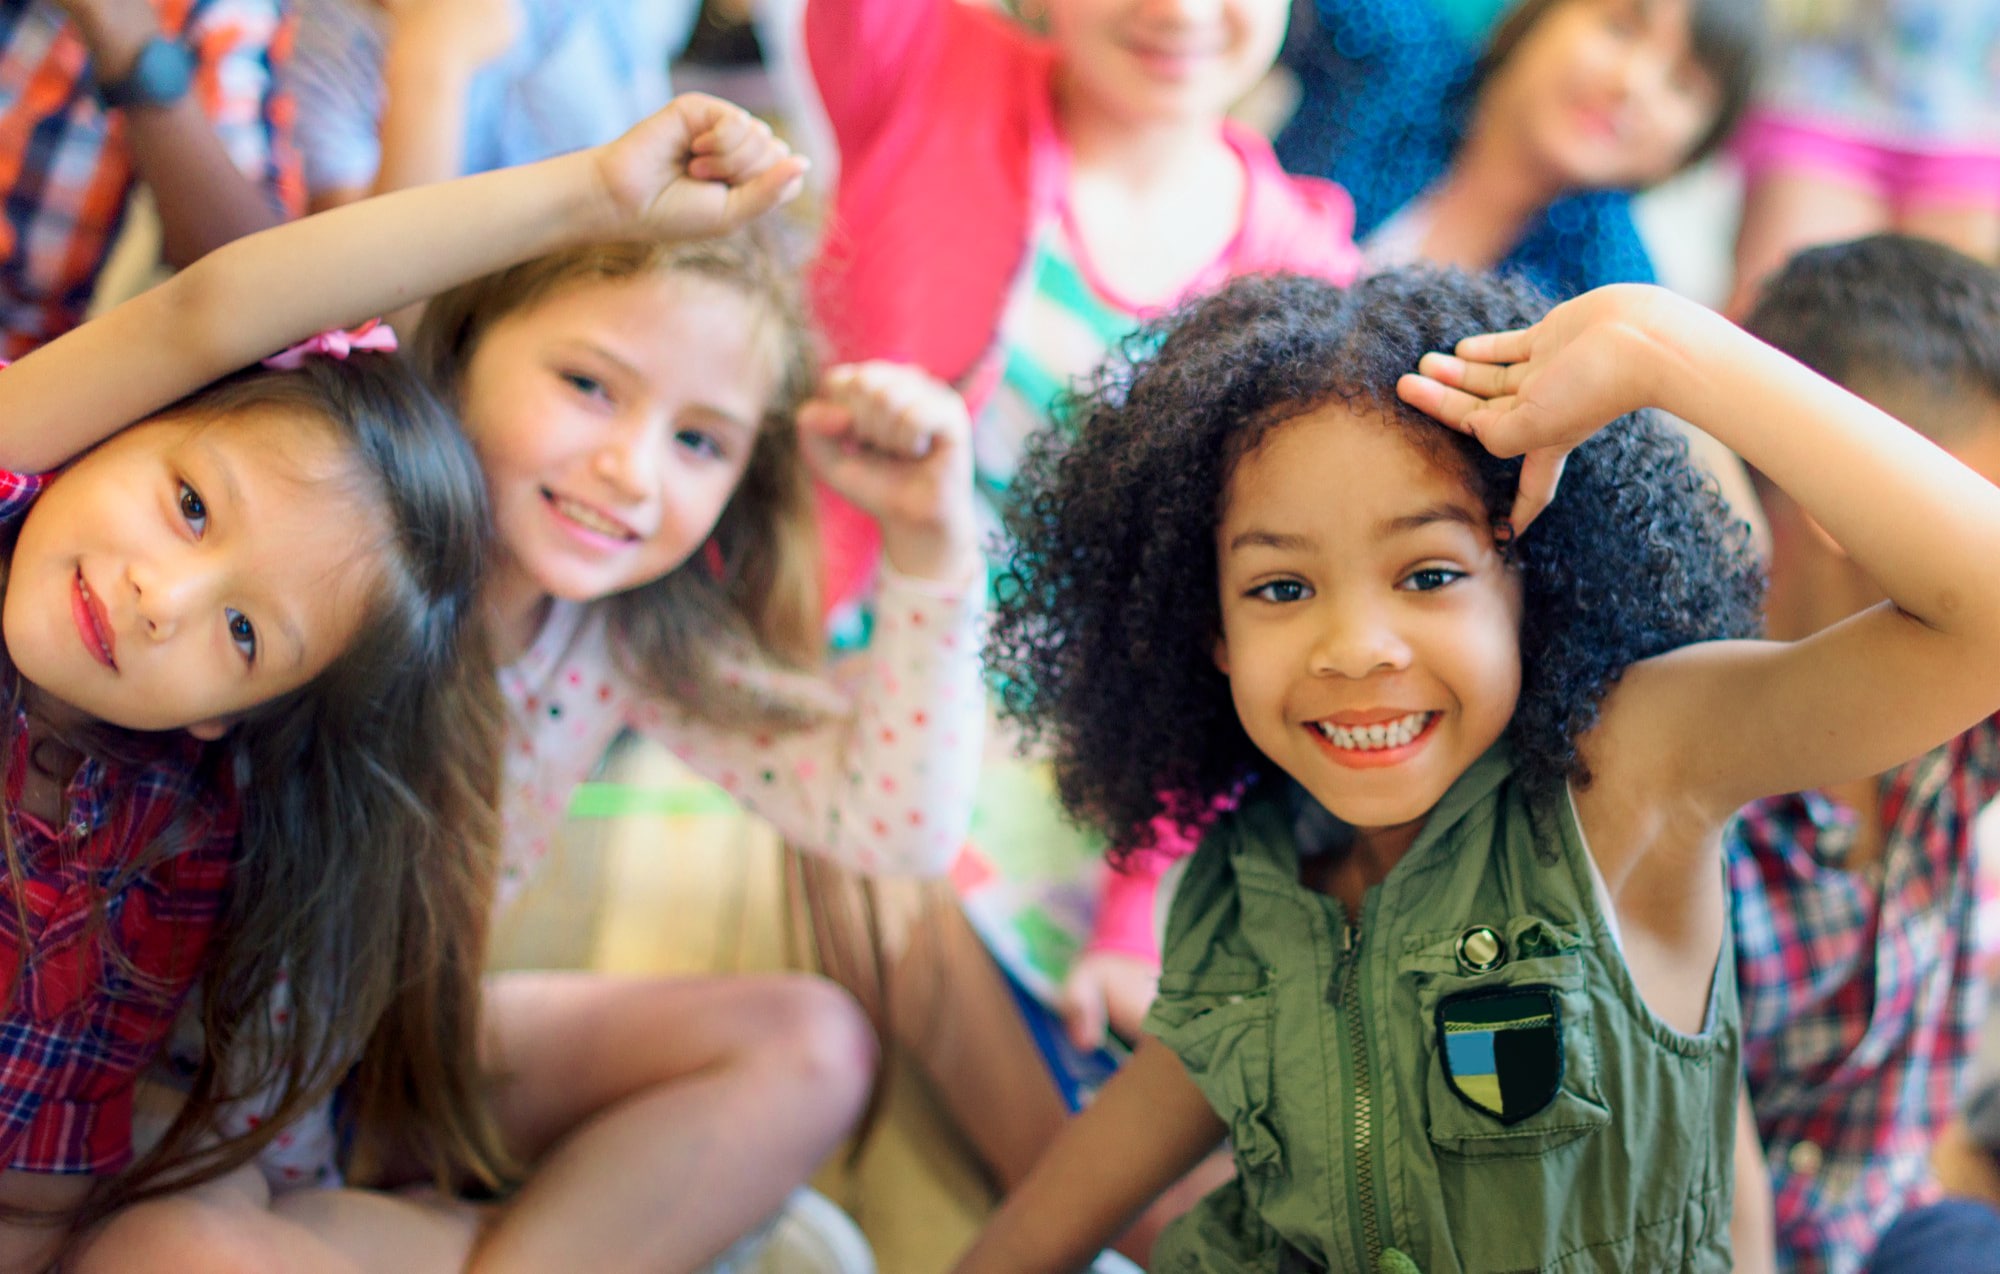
1902	178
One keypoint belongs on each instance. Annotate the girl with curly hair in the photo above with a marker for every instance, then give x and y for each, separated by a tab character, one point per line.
1449	974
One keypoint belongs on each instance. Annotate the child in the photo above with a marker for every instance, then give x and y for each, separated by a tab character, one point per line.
104	94
1521	157
261	589
1872	116
1107	186
1857	952
633	405
1450	976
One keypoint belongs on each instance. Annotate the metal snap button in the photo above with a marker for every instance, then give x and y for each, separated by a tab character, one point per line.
1480	950
1804	1158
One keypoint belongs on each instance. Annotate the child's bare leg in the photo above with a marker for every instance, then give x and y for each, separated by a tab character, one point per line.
663	1119
1787	210
952	1009
1973	229
230	1226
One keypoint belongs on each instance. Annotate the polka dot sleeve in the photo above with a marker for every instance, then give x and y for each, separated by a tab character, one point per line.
886	787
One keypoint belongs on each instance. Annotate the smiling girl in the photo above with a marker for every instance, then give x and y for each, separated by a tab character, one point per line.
1521	155
1450	976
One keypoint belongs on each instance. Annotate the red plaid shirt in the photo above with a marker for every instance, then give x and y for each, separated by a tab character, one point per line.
111	952
1861	993
65	170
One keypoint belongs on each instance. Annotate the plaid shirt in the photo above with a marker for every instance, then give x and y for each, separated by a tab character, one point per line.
105	968
1861	993
65	170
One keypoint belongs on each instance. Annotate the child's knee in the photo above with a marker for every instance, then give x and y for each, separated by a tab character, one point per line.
821	1033
178	1235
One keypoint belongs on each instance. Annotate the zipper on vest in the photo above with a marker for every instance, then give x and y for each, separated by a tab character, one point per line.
1364	1093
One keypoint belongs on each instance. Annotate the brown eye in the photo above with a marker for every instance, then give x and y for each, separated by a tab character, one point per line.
193	509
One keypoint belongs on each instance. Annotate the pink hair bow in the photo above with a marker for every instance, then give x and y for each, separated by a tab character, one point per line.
336	342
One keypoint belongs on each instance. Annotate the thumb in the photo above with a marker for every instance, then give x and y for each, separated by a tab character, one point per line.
776	185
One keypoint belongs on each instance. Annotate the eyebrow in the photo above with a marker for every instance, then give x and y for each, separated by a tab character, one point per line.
232	493
1450	513
1456	514
1257	539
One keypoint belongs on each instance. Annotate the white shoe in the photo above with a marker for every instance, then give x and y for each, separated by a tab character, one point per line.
809	1235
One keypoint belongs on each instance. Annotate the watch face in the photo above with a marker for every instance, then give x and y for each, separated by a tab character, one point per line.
160	76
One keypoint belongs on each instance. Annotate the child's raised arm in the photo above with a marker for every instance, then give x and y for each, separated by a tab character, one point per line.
1727	722
696	168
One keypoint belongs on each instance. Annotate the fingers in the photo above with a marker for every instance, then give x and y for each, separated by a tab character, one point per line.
734	146
1497	347
897	410
776	185
1449	406
1485	380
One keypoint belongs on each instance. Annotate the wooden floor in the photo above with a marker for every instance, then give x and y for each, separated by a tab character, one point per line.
701	893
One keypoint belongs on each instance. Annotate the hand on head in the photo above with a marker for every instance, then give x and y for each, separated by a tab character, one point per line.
894	440
1539	392
698	168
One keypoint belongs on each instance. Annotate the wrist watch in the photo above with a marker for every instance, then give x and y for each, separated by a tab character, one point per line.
160	76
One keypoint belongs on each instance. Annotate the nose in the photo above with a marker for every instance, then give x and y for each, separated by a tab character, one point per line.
1645	73
168	589
1182	12
1357	640
629	460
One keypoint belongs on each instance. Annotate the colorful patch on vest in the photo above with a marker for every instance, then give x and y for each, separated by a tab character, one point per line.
1502	1049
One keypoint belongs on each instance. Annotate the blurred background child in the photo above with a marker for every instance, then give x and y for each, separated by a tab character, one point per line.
98	96
1856	905
1518	150
1873	115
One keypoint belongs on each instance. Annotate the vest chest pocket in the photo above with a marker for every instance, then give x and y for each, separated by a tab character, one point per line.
1506	1023
1223	1037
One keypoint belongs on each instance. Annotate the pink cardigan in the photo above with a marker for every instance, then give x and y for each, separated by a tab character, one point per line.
949	158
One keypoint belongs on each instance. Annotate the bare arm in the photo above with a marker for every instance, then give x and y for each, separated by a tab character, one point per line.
435	49
1752	1225
204	201
1717	724
698	167
25	1248
1146	1129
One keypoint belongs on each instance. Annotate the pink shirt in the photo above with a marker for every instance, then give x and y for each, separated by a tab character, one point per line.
949	157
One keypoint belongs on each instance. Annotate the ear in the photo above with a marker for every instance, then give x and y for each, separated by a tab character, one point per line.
1221	654
211	730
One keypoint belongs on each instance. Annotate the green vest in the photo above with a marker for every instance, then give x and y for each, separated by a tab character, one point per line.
1466	1080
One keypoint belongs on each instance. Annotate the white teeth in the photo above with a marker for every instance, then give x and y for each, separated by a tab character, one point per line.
589	517
1371	738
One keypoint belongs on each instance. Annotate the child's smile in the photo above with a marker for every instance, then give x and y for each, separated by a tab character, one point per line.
1370	629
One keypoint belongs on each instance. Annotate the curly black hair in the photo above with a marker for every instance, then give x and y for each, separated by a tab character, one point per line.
1109	609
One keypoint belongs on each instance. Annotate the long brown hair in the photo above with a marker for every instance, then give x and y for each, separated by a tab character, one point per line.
747	601
367	845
